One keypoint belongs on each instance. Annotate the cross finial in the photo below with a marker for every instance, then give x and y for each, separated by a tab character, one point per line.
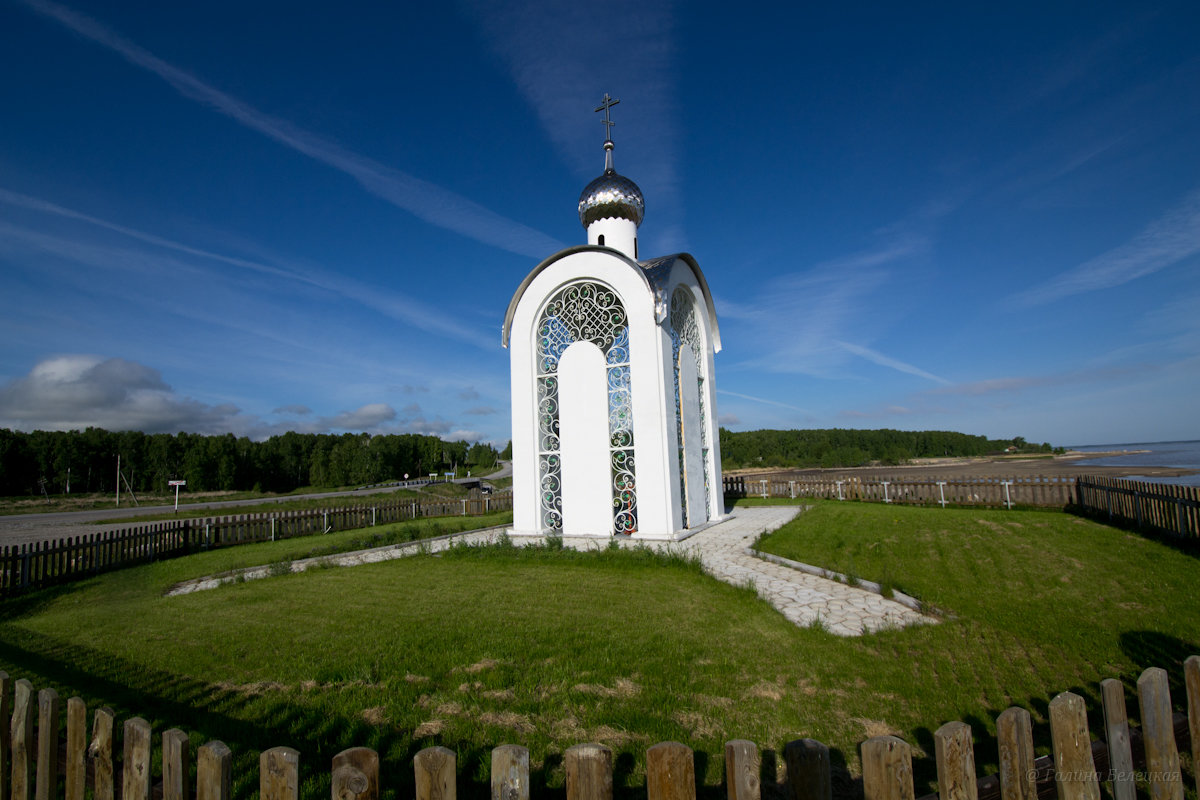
608	123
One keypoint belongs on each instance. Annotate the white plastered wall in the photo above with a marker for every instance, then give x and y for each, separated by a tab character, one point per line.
656	463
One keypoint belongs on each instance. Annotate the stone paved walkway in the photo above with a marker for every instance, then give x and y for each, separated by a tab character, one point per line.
799	596
803	598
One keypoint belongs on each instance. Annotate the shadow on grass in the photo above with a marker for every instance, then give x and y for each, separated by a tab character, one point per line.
209	712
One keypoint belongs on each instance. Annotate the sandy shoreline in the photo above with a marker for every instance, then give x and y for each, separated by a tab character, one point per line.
1000	466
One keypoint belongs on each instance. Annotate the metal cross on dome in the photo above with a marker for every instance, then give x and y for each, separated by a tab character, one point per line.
608	123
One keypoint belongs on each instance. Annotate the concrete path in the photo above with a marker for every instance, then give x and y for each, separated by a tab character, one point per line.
724	549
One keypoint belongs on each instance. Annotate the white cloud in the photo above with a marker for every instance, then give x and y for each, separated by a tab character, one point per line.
1168	240
367	418
295	410
71	392
423	199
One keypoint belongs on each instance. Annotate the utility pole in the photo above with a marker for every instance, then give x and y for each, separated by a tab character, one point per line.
118	480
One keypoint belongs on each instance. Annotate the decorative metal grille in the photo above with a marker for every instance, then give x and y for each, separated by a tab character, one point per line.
685	329
590	312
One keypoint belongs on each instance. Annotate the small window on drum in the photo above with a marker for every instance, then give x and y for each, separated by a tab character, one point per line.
600	241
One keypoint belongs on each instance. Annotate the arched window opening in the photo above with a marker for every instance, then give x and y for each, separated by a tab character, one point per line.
600	240
685	329
585	311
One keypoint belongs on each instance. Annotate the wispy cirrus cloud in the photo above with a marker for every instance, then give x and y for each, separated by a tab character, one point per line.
565	56
875	357
1168	240
763	400
1021	383
390	303
425	200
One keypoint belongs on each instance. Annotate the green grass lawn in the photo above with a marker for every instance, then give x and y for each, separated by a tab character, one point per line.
547	648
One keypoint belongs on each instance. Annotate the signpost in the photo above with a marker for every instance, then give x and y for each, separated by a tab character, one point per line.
176	484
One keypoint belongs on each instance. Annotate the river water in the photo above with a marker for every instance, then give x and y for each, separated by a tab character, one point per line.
1159	454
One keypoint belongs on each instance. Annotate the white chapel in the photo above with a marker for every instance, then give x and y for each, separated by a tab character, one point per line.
613	397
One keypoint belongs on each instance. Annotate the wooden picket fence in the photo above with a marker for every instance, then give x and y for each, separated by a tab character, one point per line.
1164	508
28	567
1027	490
33	759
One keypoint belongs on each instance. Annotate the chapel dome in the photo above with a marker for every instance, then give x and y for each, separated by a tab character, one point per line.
611	195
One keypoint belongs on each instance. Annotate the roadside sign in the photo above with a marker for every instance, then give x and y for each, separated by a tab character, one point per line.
176	484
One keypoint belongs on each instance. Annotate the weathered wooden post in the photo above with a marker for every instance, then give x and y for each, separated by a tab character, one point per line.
136	780
22	741
742	765
589	769
356	774
101	753
436	780
808	773
1191	679
510	772
1074	769
76	749
955	754
175	765
47	755
5	733
1116	733
1158	731
1014	735
670	772
279	774
887	769
214	780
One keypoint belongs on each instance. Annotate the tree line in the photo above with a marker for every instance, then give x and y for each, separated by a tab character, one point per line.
86	461
837	447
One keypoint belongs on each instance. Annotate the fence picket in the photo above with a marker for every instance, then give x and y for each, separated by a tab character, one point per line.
176	767
1074	769
76	761
5	733
887	769
136	777
279	774
1014	735
356	774
435	774
101	753
808	772
510	772
22	741
589	769
670	772
1191	679
955	756
742	764
47	735
213	772
1158	727
1116	733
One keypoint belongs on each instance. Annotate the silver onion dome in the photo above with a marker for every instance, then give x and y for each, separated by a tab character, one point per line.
611	195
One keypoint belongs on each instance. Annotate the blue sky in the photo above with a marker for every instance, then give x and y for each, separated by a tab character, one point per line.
259	217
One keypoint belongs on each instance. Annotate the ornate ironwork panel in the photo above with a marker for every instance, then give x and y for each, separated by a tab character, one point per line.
685	329
586	311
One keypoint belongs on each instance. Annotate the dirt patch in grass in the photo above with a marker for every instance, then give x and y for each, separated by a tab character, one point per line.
622	687
695	723
480	666
507	719
416	678
767	691
374	716
875	727
431	727
499	694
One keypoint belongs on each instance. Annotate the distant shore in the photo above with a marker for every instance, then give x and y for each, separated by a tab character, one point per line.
993	466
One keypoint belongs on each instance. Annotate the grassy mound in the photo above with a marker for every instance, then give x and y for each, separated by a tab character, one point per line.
549	648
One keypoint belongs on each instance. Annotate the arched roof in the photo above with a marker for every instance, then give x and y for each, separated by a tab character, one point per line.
656	273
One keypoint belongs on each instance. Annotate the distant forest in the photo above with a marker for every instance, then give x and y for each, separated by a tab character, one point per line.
836	447
208	463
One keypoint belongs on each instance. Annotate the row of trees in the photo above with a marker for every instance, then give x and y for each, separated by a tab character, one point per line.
836	447
88	460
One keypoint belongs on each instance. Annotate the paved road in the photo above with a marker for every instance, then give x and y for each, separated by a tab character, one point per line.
26	528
